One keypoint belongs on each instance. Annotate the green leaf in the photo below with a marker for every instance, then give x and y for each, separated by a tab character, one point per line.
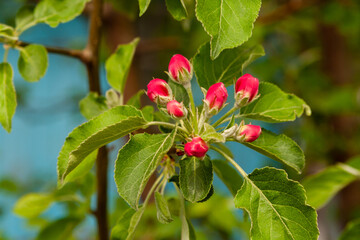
209	134
33	62
143	5
120	230
196	176
33	204
136	99
7	31
188	231
279	148
227	67
53	12
137	161
148	112
274	105
59	229
82	169
25	18
228	175
163	211
8	185
99	131
352	231
321	187
134	221
93	105
7	96
276	206
229	23
179	93
177	9
118	65
208	196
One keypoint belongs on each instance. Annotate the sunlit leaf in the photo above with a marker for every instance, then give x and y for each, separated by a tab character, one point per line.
118	65
276	206
99	131
225	68
280	148
25	18
54	12
143	5
229	23
137	161
321	187
33	62
274	105
7	96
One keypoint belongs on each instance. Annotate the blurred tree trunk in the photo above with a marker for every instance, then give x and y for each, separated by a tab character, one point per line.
337	65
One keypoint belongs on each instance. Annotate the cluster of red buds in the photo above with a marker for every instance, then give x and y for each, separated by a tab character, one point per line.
181	71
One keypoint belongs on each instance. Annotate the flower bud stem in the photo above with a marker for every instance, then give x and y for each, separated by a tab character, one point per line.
185	228
154	186
230	160
231	111
165	124
203	118
193	111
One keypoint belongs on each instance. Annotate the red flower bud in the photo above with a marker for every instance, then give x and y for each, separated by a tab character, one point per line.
215	98
180	69
176	109
248	133
246	89
159	91
197	147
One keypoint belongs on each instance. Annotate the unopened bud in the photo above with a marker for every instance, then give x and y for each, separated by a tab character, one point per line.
197	147
215	98
248	133
159	91
246	90
176	109
180	69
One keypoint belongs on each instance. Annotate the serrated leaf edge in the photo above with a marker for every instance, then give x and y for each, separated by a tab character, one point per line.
279	216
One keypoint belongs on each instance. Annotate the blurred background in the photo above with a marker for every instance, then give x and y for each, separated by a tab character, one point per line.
312	49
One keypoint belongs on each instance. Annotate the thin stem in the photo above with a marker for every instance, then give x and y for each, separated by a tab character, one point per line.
163	187
185	228
193	109
165	124
62	51
152	189
220	120
230	160
203	118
